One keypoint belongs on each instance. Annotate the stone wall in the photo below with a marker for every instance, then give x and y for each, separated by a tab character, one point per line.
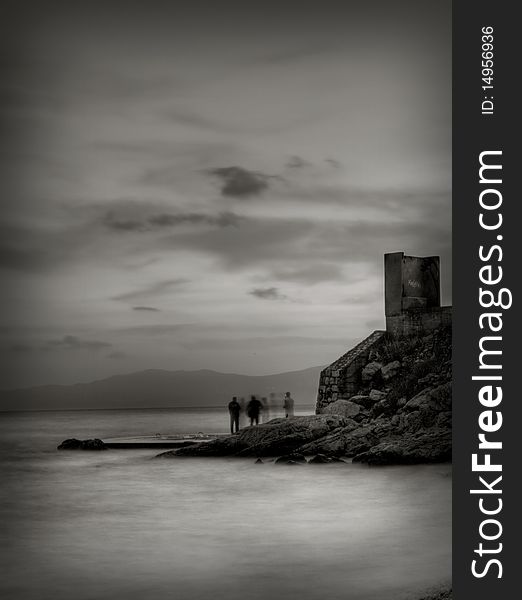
340	380
418	322
412	309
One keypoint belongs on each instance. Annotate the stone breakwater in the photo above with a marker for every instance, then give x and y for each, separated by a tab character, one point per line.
399	413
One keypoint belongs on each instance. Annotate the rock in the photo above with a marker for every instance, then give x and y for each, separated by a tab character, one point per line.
362	400
435	399
345	408
363	416
444	419
298	458
259	461
390	370
74	444
425	447
319	459
430	378
376	396
349	441
401	402
275	438
384	407
95	444
370	371
70	444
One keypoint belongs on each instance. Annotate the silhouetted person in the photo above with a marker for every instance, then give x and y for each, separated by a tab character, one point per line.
253	408
288	405
234	409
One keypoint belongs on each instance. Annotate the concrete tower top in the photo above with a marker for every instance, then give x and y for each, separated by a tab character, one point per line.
410	283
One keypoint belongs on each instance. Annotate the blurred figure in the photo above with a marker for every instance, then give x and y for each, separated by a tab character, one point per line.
288	405
242	413
253	408
265	410
234	409
271	406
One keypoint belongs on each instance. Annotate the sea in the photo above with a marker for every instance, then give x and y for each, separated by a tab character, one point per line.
121	524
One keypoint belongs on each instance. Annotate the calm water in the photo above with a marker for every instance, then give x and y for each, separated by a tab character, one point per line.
119	524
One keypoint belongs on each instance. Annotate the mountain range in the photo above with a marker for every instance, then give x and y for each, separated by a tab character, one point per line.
156	388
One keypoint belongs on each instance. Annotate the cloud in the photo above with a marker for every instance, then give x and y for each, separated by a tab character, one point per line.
310	274
71	342
123	224
238	182
224	219
296	162
146	308
154	289
164	220
333	163
271	293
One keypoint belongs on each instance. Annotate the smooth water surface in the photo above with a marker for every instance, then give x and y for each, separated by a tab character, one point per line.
121	524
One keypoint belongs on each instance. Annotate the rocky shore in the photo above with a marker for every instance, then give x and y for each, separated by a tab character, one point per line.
400	414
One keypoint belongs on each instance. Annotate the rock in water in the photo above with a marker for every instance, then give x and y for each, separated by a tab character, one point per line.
70	444
74	444
95	444
298	458
319	459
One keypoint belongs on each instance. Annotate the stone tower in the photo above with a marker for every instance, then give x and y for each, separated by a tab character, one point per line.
412	294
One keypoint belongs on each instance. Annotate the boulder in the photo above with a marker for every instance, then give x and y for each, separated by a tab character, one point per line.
370	371
349	441
94	444
259	461
425	447
70	444
434	399
444	419
362	400
376	396
319	459
74	444
298	458
383	407
345	408
391	370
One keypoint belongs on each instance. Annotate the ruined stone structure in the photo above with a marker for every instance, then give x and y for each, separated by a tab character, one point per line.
412	308
412	294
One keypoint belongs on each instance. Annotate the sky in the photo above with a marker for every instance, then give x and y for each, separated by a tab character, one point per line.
214	184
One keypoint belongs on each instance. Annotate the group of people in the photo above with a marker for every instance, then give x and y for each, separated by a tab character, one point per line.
255	407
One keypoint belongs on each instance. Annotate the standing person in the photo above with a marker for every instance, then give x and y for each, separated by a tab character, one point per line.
288	405
253	408
234	409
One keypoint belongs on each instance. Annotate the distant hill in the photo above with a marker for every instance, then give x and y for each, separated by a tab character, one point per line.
158	388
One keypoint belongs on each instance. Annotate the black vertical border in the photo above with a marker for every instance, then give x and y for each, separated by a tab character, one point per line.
472	134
